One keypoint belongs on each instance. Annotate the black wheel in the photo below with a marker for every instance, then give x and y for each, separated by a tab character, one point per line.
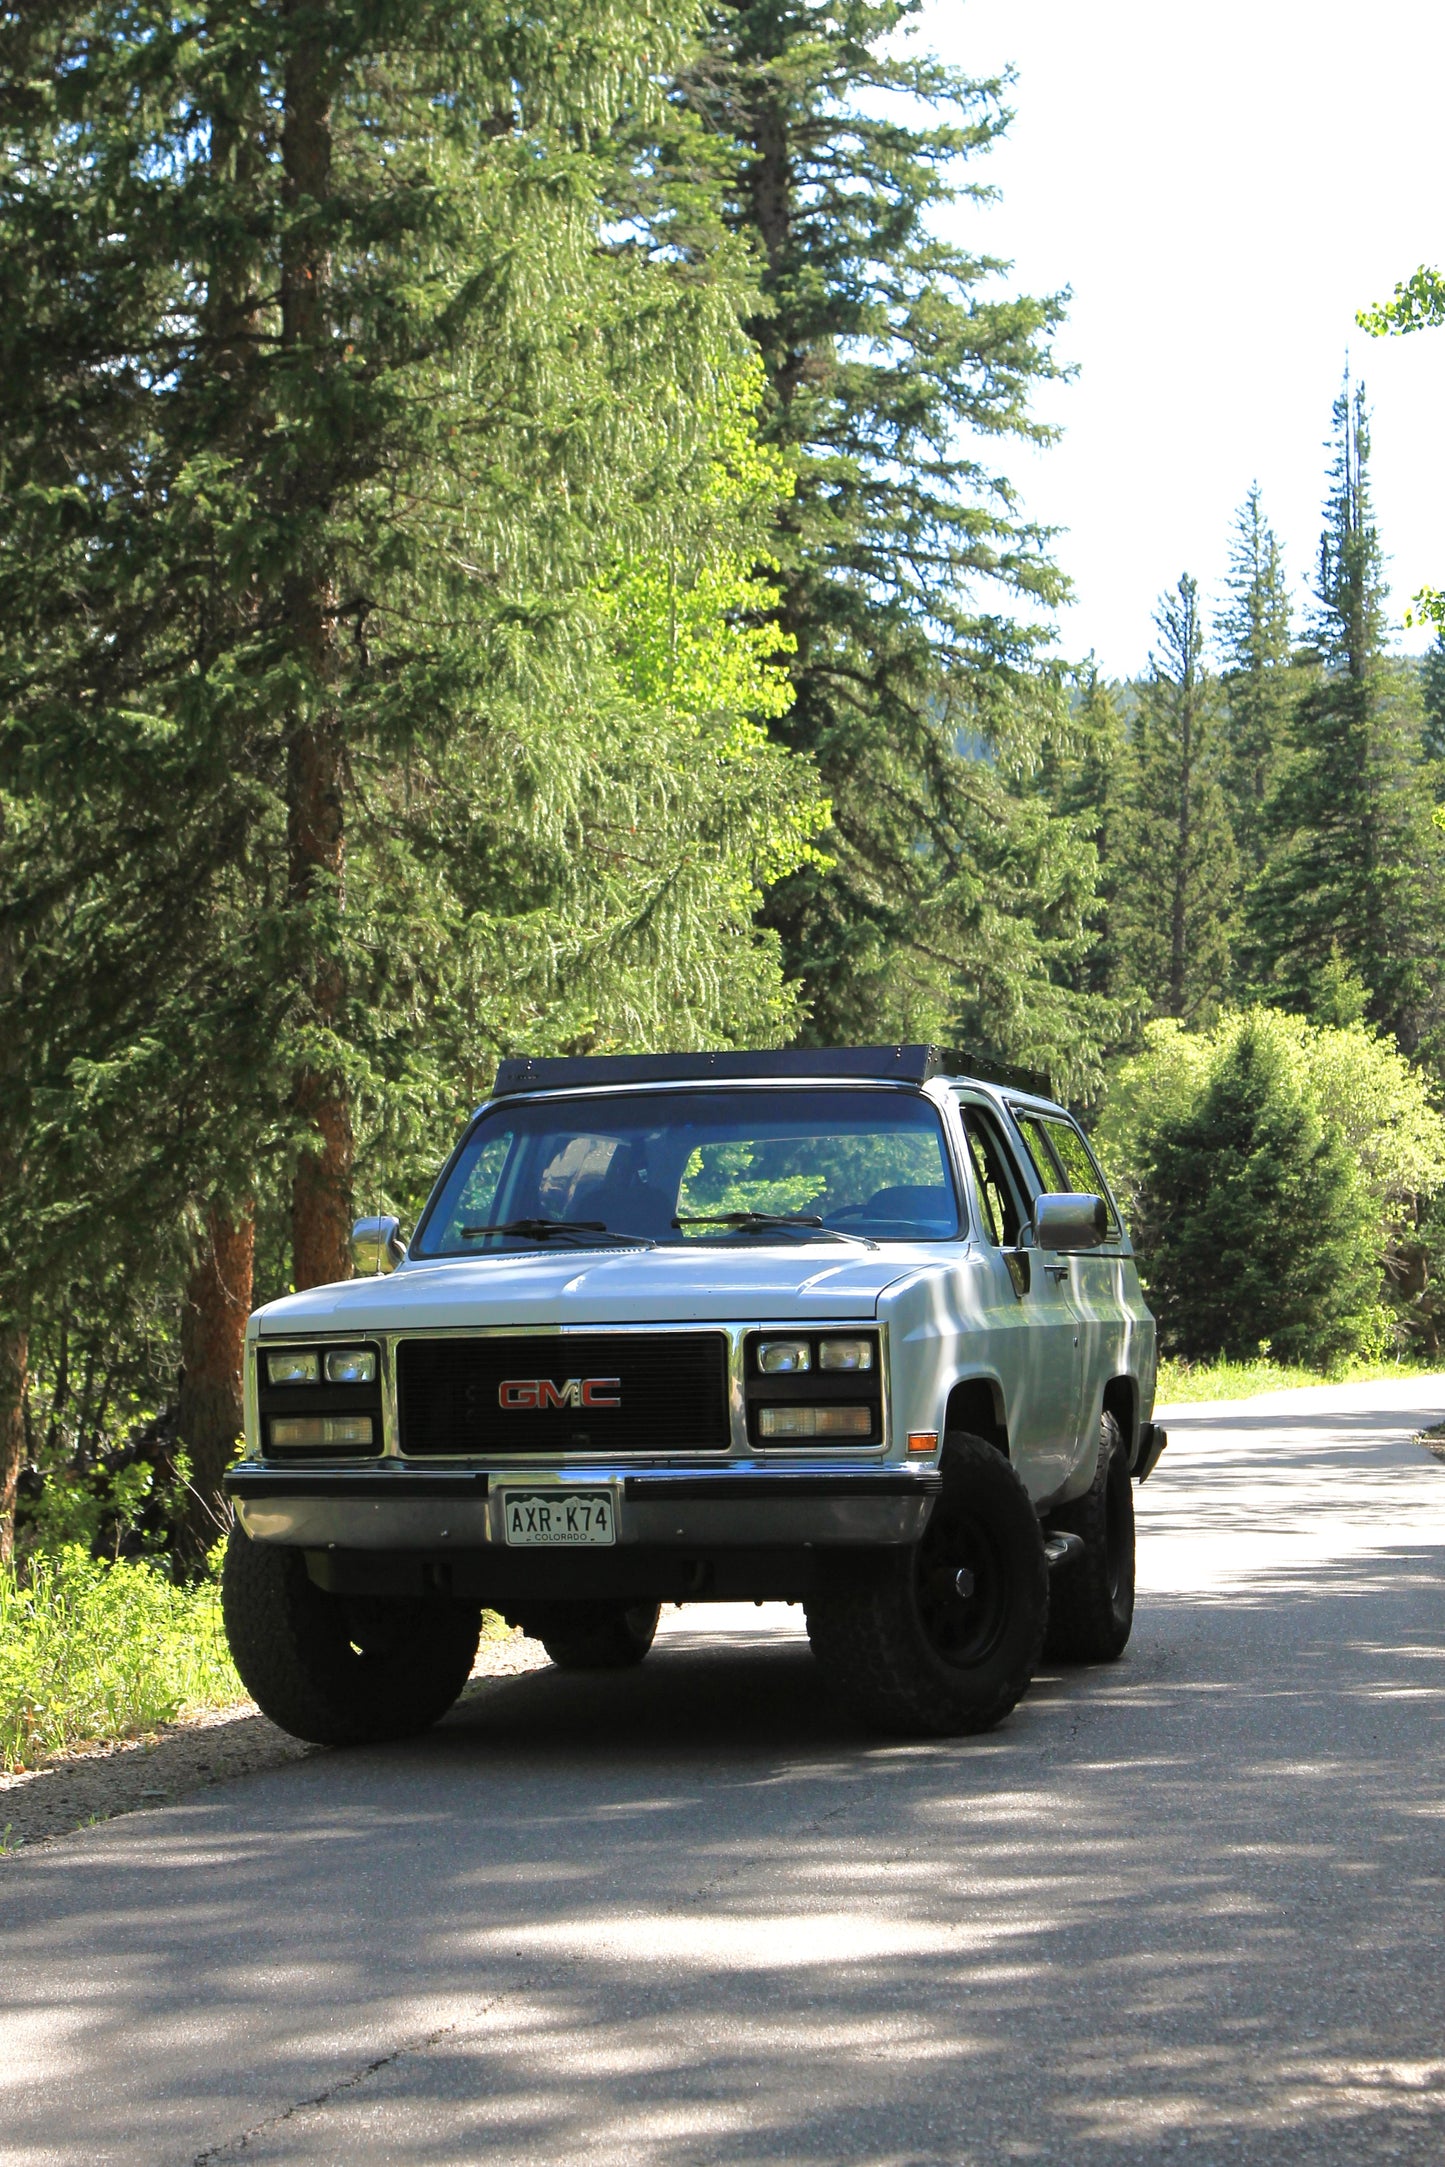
942	1638
593	1636
1091	1595
340	1670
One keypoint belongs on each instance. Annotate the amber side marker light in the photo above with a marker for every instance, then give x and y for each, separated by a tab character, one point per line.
923	1440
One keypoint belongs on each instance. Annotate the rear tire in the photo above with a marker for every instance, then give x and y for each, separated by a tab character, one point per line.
941	1639
1091	1595
340	1670
594	1636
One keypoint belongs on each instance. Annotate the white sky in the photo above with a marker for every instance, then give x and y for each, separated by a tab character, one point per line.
1221	188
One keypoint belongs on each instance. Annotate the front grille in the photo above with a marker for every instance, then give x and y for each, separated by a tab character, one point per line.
671	1390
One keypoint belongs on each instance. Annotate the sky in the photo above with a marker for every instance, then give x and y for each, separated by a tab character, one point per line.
1221	188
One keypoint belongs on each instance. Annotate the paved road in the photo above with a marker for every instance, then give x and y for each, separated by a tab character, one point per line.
1185	1909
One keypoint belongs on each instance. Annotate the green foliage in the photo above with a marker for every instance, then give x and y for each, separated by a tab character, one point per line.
1254	632
1084	777
94	1651
1383	1108
1379	1110
1182	1383
473	544
1354	867
1259	1228
1432	694
1178	868
950	903
1418	304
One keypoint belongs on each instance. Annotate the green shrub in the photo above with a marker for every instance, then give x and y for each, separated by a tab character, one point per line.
96	1651
1260	1226
1368	1096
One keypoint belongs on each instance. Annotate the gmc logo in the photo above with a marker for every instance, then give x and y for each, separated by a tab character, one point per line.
516	1392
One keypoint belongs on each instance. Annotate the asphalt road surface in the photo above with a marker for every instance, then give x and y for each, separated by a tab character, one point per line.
1187	1908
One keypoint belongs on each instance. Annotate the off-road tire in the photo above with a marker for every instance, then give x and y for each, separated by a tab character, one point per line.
340	1670
594	1636
903	1649
1091	1594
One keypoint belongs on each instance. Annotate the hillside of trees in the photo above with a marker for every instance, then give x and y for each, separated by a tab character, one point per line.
506	546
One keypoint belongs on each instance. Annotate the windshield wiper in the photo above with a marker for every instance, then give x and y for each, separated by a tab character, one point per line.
755	1222
590	1232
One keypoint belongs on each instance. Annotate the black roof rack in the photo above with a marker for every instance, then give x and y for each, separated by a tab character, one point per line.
1007	1073
865	1064
872	1064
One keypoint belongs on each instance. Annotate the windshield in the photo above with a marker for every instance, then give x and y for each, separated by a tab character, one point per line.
693	1167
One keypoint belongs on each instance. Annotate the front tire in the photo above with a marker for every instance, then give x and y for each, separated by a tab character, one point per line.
1091	1606
941	1639
340	1670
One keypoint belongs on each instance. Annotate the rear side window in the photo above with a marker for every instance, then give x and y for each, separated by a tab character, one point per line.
1061	1156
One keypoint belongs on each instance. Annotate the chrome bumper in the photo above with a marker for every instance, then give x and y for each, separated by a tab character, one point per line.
415	1509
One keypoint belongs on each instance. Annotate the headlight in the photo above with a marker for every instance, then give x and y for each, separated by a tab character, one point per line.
298	1365
351	1365
845	1354
784	1357
320	1430
815	1421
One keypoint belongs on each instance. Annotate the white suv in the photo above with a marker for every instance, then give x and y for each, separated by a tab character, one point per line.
834	1327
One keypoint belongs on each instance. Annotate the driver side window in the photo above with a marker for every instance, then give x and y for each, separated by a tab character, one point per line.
993	1176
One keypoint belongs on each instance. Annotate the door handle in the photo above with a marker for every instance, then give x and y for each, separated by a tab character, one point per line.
1057	1271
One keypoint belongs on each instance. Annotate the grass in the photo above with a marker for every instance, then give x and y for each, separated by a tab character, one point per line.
92	1652
1221	1380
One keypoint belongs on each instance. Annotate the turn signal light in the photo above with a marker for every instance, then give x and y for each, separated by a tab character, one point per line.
320	1430
815	1421
923	1440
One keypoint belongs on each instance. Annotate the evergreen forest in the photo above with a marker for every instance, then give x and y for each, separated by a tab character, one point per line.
507	546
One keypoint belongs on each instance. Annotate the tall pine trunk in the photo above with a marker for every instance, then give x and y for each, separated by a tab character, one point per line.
1178	915
213	1344
315	768
14	1355
14	1338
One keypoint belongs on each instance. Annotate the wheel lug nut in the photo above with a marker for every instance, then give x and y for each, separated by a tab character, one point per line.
964	1582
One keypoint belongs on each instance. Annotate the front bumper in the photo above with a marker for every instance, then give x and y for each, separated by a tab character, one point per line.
414	1509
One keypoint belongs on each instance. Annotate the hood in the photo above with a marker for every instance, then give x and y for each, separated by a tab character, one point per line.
658	1286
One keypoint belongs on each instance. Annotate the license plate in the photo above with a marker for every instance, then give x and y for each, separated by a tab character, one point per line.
552	1516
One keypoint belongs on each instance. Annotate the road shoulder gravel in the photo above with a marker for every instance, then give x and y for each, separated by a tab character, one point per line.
130	1775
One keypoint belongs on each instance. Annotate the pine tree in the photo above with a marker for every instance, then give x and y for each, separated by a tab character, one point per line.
1260	1228
1084	780
952	901
344	451
1178	868
1353	879
1254	635
1432	693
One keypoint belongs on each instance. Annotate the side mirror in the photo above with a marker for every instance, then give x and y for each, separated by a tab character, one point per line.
376	1246
1071	1222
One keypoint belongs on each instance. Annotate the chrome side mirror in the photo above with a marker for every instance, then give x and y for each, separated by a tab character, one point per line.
1071	1222
376	1246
